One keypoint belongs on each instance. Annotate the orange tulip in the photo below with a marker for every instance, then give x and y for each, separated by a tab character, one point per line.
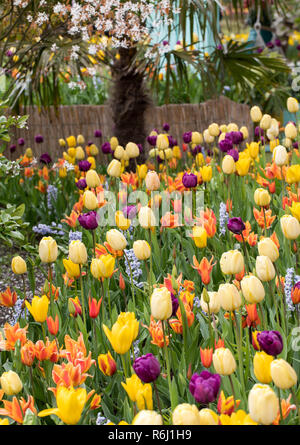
226	405
206	356
94	307
204	268
8	298
68	375
46	351
107	364
28	353
16	409
156	333
13	334
53	326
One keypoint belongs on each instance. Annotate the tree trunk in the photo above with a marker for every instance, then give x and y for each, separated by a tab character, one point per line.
129	101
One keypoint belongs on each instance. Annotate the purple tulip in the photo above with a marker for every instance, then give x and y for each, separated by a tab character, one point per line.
270	342
259	50
39	139
175	304
159	159
172	141
258	132
152	140
9	53
225	145
236	225
189	180
97	133
130	212
234	153
235	136
298	47
204	387
84	166
147	368
187	137
90	143
166	127
165	42
295	144
12	148
106	148
45	158
141	148
220	47
270	45
88	220
278	42
81	184
21	141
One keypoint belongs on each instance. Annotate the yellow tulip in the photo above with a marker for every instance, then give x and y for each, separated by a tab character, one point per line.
122	222
123	332
262	367
71	268
18	265
238	418
106	265
206	173
242	166
38	308
139	392
48	249
77	252
147	417
293	174
186	414
70	404
295	209
253	149
200	236
71	141
11	383
142	171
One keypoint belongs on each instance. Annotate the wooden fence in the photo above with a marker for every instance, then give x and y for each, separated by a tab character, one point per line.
85	119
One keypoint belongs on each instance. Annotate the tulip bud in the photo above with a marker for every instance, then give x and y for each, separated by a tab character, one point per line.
18	265
265	122
292	105
232	262
77	252
263	404
228	165
223	361
255	114
229	297
79	154
232	127
186	414
290	227
244	131
132	150
208	138
152	181
116	239
264	268
197	138
267	247
162	142
142	249
290	131
161	303
147	417
62	142
262	197
253	289
280	156
214	129
93	150
80	139
262	367
90	200
283	375
71	141
210	300
114	168
11	383
113	143
92	179
48	249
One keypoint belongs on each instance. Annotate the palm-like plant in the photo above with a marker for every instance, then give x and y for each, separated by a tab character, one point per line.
43	53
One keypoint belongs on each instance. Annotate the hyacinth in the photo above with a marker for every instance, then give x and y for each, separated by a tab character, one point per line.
51	196
74	236
288	286
45	229
135	267
223	218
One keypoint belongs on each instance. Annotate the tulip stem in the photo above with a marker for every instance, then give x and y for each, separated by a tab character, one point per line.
109	304
211	334
265	221
280	407
157	397
233	392
94	243
247	267
82	296
262	316
124	365
295	399
51	296
131	278
240	352
283	304
43	330
25	298
167	363
274	301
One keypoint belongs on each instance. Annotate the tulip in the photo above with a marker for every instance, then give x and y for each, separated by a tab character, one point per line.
107	364
295	294
232	262
162	142
189	180
293	174
200	236
84	166
292	105
253	289
132	150
71	268
92	179
208	138
161	303
77	252
53	325
208	417
147	417
236	225
114	168
255	114
290	227
290	131
18	265
142	249
223	361
142	171
206	356
152	181
262	197
197	138
94	307
242	166
228	165
71	141
206	173
262	367
123	332
48	249
270	342
245	132
116	239
253	149
267	247
147	368
263	404
114	142
213	129
122	223
146	217
265	122
139	393
90	200
11	383
94	150
106	265
214	303
280	156
295	209
264	268
229	297
70	404
225	144
283	375
185	414
88	220
119	152
38	308
204	387
81	184
79	153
